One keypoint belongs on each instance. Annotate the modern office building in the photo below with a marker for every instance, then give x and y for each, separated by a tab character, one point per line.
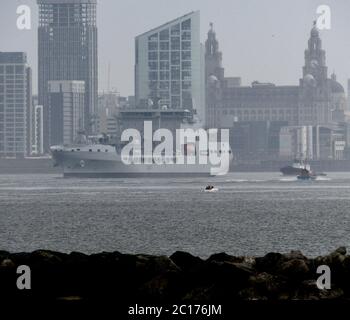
66	111
67	40
15	105
169	67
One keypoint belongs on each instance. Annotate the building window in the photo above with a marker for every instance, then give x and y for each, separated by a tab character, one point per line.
153	65
153	46
164	65
186	55
186	75
186	25
175	58
164	75
164	55
175	73
186	35
164	95
175	43
186	65
186	85
153	55
186	45
10	69
164	35
153	37
19	69
175	30
164	45
164	85
175	87
175	102
153	75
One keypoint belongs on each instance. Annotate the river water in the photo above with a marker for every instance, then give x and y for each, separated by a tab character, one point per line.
251	214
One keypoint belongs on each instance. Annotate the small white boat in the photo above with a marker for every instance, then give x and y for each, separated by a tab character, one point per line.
211	189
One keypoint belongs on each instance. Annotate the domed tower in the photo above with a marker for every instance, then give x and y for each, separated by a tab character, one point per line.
338	99
214	76
213	57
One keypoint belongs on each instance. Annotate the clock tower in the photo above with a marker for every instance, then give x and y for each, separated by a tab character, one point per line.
315	94
315	58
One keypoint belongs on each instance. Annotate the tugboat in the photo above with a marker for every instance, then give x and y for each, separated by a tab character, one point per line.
306	175
295	169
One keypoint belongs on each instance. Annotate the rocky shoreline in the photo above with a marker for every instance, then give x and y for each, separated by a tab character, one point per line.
181	277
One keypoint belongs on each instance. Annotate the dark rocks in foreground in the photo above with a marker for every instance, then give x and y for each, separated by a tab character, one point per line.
180	277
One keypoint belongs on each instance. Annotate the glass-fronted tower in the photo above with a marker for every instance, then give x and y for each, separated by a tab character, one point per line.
169	66
67	39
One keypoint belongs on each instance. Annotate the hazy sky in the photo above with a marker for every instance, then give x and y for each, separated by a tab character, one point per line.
260	39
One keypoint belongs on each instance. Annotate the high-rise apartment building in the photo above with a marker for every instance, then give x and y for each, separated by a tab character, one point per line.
67	38
15	105
169	67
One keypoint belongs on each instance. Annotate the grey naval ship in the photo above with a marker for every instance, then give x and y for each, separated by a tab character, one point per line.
105	161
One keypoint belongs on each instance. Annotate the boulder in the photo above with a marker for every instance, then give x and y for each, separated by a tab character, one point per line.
294	254
7	263
45	257
295	269
147	266
341	250
269	263
4	255
267	285
21	258
185	261
163	288
224	257
308	290
234	274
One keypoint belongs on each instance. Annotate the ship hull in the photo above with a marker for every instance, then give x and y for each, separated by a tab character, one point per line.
109	165
291	171
115	175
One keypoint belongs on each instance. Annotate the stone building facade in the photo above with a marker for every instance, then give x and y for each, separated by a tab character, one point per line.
317	101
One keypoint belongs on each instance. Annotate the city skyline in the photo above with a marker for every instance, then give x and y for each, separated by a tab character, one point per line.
280	42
